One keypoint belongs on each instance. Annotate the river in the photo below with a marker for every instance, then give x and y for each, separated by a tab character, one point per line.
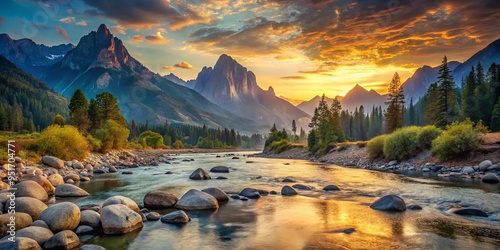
310	220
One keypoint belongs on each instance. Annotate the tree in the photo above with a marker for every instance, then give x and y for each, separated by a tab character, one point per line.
58	120
411	114
495	118
470	107
113	135
294	130
152	139
78	111
483	95
103	108
447	95
394	116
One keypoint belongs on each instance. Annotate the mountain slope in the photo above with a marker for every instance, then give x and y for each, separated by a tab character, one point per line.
309	106
487	56
29	56
39	103
100	62
234	88
175	79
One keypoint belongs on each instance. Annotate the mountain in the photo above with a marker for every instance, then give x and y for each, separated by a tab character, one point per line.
416	86
36	101
100	62
175	79
29	56
487	56
294	102
309	106
234	88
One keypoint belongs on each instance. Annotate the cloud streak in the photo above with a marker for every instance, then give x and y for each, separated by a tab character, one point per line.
62	32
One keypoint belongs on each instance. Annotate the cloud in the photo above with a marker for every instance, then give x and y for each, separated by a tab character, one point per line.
157	39
184	65
119	30
63	33
294	77
82	23
168	67
68	19
137	38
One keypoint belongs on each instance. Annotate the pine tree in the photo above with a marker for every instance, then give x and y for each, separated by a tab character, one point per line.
447	95
495	118
335	110
78	111
483	95
294	130
394	116
470	108
411	114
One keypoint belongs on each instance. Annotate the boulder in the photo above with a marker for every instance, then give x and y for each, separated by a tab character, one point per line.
159	199
39	234
100	171
73	177
221	178
78	165
4	185
112	169
90	218
40	223
302	187
490	178
61	216
392	163
89	168
118	199
68	190
494	167
425	169
55	179
220	169
196	200
414	207
120	219
84	178
484	165
331	188
217	193
176	217
31	206
70	181
250	193
467	211
42	181
31	189
389	203
84	229
22	220
52	161
128	172
200	174
288	180
153	216
66	239
288	191
468	170
21	243
91	247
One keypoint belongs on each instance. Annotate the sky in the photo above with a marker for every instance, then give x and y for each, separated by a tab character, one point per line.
302	48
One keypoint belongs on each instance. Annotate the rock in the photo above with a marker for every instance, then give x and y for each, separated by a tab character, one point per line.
55	179
169	172
52	161
73	177
235	158
4	185
31	189
118	199
273	192
68	190
288	180
200	174
84	178
128	172
196	200
63	240
91	247
39	234
89	168
250	193
153	216
90	218
389	203
331	188
70	181
78	165
112	169
414	207
467	211
43	182
426	170
40	223
484	165
437	168
84	229
21	221
21	243
100	171
494	167
159	199
221	178
176	217
490	178
217	193
302	187
288	191
120	219
61	216
31	206
392	163
468	170
219	169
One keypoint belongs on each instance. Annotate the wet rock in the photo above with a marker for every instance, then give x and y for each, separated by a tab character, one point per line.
273	192
250	193
153	216
120	219
243	198
196	200
221	178
128	172
52	161
302	187
40	223
84	178
39	234
90	218
331	188
100	171
288	191
437	168
66	239
235	196
22	220
118	199
177	217
235	158
217	193
414	207
21	243
84	229
200	174
288	180
169	172
490	178
263	192
468	170
484	165
159	199
220	169
31	189
389	203
467	211
61	216
68	190
112	169
31	206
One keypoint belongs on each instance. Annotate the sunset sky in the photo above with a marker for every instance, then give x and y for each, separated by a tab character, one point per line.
301	48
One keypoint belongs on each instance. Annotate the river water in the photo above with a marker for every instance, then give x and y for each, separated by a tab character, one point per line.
310	220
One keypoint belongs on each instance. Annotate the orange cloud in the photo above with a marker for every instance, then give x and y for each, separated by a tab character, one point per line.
137	38
184	65
168	67
62	32
157	39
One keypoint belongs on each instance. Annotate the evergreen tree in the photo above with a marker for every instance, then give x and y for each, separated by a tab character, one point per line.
335	110
447	95
78	111
294	130
483	95
58	120
302	135
394	116
411	114
495	119
470	107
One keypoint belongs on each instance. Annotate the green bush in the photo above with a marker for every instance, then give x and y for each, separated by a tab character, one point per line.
178	144
457	141
135	145
375	147
427	135
401	144
112	136
152	139
95	144
342	147
280	146
63	142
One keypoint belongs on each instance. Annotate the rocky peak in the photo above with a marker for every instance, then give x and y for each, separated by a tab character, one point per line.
270	90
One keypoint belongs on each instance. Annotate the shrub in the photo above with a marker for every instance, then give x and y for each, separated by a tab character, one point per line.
63	142
280	146
361	144
178	144
457	141
112	136
135	145
152	139
401	144
427	135
95	144
375	147
342	147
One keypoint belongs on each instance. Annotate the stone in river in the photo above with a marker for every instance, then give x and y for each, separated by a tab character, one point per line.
68	190
177	217
235	196
483	166
21	243
217	193
118	199
302	187
467	211
90	218
490	178
250	193
221	178
331	188
288	180
200	174
244	198
288	191
414	207
66	239
197	200
389	203
153	216
159	199
468	170
120	219
220	169
61	216
128	172
273	192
